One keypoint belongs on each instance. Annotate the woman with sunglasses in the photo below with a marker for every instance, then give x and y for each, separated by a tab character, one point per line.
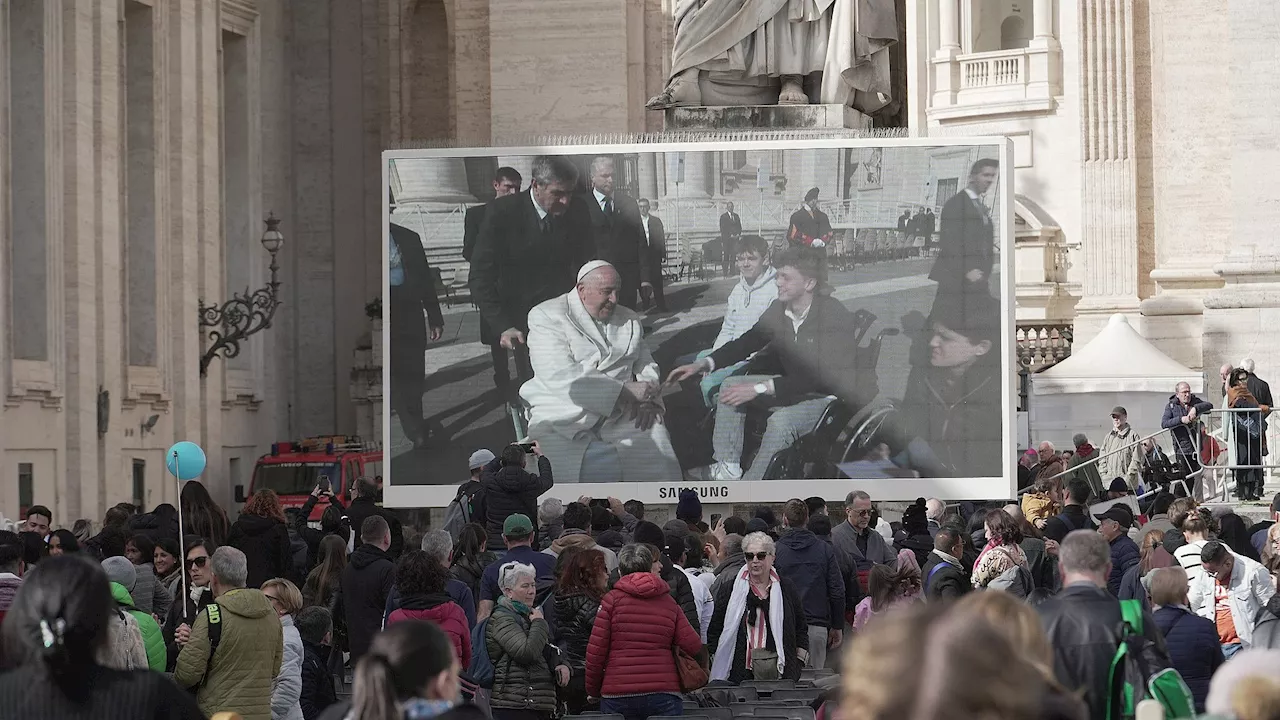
182	614
758	628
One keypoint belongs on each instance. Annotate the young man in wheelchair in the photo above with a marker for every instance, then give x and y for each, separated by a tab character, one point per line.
805	356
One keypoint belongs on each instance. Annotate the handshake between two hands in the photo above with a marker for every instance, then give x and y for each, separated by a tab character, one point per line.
642	401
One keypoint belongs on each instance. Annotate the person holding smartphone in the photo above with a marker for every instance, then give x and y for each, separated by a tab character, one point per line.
309	535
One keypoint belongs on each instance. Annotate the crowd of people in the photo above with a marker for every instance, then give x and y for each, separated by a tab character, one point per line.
532	611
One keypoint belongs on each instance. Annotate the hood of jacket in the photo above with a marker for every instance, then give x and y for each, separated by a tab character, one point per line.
366	555
642	585
154	521
736	559
425	601
256	524
768	276
1086	451
122	596
572	538
799	539
246	603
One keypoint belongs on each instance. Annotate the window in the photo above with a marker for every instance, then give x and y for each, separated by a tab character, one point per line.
26	487
139	482
947	188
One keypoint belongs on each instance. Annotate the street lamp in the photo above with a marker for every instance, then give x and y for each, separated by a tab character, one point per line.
244	314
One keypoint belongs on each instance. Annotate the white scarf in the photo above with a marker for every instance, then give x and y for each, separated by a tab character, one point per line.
725	651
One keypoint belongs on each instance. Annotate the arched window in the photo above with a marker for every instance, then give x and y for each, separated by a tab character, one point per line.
428	72
1013	33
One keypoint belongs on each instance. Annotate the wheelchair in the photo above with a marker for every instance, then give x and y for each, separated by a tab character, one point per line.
843	432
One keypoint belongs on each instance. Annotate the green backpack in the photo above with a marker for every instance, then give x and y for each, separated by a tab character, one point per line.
1139	672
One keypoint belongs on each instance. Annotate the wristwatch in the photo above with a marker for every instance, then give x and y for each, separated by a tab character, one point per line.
761	388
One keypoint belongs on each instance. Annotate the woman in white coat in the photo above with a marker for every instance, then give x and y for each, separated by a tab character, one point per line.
286	689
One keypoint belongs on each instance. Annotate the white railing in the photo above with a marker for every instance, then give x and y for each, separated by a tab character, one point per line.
993	69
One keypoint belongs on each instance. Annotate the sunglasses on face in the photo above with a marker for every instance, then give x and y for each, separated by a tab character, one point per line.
757	556
198	561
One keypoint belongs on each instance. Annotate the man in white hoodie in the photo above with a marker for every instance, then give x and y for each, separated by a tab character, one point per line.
756	290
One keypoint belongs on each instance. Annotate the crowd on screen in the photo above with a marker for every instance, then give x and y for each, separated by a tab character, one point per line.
522	609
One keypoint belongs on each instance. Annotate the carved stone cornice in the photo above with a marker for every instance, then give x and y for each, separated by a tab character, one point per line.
240	15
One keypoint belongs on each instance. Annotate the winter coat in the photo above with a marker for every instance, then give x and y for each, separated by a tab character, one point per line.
1072	517
308	534
105	694
1088	473
947	582
248	658
318	691
726	571
457	592
1038	507
1184	442
366	583
581	538
681	589
266	546
1080	623
575	616
183	610
1042	565
1124	555
1266	626
1193	648
362	509
549	532
1121	457
811	564
149	594
632	644
795	632
995	562
124	649
471	570
286	689
155	524
522	678
148	628
855	564
445	613
509	490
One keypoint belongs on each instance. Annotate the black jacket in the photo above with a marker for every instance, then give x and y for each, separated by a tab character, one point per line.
266	547
947	583
101	694
967	242
811	564
513	267
681	590
1193	648
822	359
468	571
471	224
465	711
959	418
318	691
508	490
795	633
362	509
575	616
366	583
920	545
310	535
1124	555
1072	517
407	302
159	523
1081	622
177	617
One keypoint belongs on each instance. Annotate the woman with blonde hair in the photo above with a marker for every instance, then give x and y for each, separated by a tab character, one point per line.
931	662
286	689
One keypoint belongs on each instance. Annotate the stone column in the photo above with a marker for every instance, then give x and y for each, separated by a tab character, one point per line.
948	28
1042	19
648	167
946	70
432	180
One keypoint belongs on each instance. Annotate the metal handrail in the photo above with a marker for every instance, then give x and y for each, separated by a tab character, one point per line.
1117	451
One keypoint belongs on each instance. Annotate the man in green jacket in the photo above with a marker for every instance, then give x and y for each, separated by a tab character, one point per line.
123	579
235	676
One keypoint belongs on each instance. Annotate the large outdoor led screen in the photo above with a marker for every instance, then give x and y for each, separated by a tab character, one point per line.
756	320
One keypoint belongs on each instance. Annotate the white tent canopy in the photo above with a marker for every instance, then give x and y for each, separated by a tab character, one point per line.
1118	360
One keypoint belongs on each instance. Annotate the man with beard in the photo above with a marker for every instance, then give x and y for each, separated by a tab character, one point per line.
595	397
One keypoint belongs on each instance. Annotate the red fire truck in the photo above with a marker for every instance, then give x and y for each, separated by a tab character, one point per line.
293	468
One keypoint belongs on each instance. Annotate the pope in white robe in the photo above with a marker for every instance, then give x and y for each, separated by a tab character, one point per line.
595	400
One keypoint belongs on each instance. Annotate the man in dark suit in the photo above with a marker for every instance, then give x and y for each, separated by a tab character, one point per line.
616	230
967	252
944	575
506	182
730	233
529	249
927	226
656	240
412	293
810	226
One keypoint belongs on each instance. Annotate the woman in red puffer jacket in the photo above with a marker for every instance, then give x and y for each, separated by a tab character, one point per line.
631	663
421	582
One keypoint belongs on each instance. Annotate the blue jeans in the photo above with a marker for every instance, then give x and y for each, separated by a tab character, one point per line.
641	707
1232	649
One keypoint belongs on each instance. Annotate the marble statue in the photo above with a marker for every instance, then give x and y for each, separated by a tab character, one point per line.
788	52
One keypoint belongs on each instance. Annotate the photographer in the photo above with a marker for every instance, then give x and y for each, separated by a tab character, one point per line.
510	489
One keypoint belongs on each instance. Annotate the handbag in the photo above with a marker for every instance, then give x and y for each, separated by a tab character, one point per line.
692	675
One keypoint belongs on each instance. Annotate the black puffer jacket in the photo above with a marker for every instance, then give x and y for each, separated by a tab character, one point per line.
157	524
268	552
575	619
681	590
366	583
509	490
1081	623
469	571
362	509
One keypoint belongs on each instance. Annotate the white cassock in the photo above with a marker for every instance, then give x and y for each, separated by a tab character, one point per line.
579	367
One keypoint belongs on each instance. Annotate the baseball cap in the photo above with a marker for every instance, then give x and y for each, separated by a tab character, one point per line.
1119	513
517	527
479	458
1119	410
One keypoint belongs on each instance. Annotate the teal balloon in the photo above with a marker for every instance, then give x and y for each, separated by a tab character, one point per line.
185	460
